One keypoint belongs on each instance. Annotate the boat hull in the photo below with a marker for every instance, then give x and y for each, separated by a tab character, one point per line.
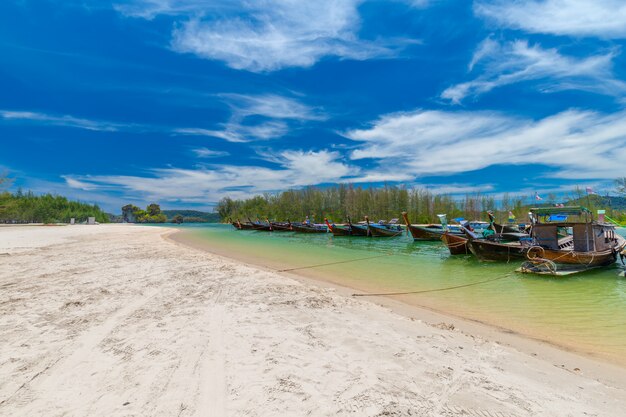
357	230
489	251
262	227
587	259
243	226
376	231
426	232
309	229
278	227
457	245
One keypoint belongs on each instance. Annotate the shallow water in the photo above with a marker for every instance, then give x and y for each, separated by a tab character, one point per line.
585	312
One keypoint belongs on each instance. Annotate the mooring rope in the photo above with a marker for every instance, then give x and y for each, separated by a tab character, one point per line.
431	290
333	263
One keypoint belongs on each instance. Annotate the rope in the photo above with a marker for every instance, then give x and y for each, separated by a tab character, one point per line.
434	289
456	245
333	263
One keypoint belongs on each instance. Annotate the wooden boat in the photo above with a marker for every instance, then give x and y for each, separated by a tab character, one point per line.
383	230
431	232
457	245
241	226
281	227
309	228
500	228
358	229
434	232
261	226
495	250
591	244
338	229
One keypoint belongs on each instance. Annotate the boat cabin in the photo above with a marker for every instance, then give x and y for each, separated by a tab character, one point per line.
559	228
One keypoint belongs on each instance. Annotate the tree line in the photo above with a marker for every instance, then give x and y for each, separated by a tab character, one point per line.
422	205
26	207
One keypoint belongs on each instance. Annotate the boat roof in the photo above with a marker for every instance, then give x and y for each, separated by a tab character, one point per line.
568	210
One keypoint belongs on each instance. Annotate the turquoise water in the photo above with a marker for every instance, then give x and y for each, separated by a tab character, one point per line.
585	312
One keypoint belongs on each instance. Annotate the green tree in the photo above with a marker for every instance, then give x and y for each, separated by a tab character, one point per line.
153	209
178	219
129	213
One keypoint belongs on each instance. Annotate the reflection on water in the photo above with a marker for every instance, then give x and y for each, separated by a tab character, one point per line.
586	312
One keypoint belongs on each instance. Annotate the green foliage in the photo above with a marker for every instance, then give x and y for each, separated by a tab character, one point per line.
341	201
178	219
153	209
152	214
192	216
27	207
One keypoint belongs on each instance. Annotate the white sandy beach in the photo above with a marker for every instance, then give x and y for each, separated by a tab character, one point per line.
115	320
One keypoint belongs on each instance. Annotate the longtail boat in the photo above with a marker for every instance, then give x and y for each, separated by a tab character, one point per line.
496	250
501	244
434	232
241	226
591	244
423	231
281	227
309	228
338	229
358	229
384	230
457	245
261	226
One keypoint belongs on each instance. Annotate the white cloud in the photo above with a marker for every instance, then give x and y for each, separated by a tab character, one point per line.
459	189
244	125
65	120
297	169
149	9
600	18
272	106
236	132
208	153
513	62
579	144
265	35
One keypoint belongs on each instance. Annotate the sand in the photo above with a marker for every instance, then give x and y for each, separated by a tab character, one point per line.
116	320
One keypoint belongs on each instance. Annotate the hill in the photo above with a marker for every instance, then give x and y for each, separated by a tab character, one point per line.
599	201
192	216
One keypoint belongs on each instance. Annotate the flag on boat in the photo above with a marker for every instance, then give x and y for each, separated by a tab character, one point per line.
589	190
537	196
443	220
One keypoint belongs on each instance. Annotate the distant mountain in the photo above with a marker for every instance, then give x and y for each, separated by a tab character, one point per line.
599	201
192	216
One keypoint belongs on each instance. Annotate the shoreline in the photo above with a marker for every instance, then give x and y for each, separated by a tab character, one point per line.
564	357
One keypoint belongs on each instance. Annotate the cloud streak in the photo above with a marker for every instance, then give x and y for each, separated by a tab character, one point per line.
258	117
598	18
64	121
507	63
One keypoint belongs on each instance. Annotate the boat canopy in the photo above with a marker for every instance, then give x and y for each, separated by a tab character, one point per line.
555	211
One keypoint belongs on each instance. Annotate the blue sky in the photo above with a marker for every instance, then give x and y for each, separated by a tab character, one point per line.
185	102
